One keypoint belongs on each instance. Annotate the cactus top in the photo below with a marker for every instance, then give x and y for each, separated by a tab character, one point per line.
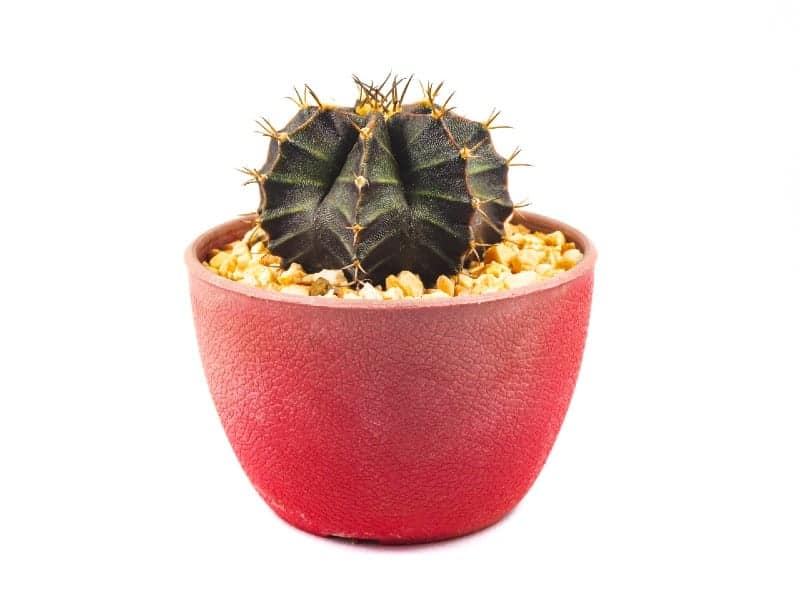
382	187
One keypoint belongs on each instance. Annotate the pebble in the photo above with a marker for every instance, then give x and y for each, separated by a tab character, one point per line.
524	258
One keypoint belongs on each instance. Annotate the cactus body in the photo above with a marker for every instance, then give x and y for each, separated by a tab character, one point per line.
382	187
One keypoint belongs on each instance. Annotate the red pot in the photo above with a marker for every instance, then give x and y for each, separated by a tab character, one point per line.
395	421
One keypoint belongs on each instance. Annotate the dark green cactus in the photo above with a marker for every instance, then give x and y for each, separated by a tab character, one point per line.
382	187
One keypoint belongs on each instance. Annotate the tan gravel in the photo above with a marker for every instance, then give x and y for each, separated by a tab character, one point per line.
522	258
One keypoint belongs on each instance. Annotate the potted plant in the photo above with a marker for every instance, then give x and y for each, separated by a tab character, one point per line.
402	359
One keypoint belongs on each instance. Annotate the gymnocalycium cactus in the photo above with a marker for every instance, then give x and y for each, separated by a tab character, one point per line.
382	187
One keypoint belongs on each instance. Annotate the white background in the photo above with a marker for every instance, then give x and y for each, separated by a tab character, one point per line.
668	131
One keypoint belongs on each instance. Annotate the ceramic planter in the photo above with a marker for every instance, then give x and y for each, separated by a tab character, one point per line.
395	421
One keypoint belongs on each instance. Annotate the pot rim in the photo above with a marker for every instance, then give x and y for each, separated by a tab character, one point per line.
203	244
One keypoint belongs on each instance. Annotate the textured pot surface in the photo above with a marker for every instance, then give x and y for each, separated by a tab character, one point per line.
396	421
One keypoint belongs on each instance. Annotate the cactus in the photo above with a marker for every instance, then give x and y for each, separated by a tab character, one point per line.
382	187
